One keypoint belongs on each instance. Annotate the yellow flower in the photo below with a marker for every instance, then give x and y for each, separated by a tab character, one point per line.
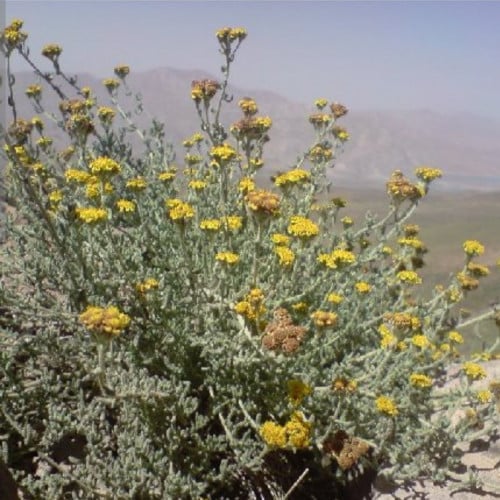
104	165
473	370
298	431
166	176
232	222
122	70
386	405
147	285
227	257
302	227
52	51
473	247
73	174
33	90
136	184
246	184
420	380
477	270
280	239
55	197
263	202
362	287
334	298
106	114
295	176
210	224
456	337
420	341
285	255
409	277
197	185
111	84
347	221
411	242
297	391
125	206
248	106
484	396
300	306
191	159
324	318
386	250
109	321
223	154
274	435
337	258
343	385
179	210
320	103
428	174
91	215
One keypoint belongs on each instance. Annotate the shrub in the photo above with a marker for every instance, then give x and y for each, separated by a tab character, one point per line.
180	331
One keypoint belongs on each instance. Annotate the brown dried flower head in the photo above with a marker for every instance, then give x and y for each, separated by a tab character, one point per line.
282	334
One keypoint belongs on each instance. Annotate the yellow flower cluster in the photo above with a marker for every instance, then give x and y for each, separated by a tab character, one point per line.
33	90
204	89
252	307
109	321
246	185
223	154
403	320
210	224
428	174
400	189
91	215
411	242
473	370
104	165
334	298
420	380
147	285
231	34
388	339
80	176
52	51
12	36
197	185
337	258
248	106
166	176
319	153
125	206
285	255
280	239
343	385
227	257
179	210
473	247
297	391
296	433
263	202
421	341
122	70
302	227
362	287
477	270
136	184
324	319
409	277
455	337
106	114
386	405
295	176
111	84
484	396
320	103
232	222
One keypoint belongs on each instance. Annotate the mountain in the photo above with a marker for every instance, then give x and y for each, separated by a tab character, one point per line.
464	146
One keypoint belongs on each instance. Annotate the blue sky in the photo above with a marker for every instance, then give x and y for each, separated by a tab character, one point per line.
398	55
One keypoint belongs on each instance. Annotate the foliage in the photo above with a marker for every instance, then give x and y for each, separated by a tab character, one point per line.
177	331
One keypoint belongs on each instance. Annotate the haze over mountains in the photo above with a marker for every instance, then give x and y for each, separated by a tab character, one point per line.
465	146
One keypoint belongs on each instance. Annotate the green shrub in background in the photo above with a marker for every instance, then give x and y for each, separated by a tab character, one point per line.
176	331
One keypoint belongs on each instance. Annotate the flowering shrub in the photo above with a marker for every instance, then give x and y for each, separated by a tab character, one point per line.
179	331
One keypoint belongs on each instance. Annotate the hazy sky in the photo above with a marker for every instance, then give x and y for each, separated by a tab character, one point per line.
372	54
